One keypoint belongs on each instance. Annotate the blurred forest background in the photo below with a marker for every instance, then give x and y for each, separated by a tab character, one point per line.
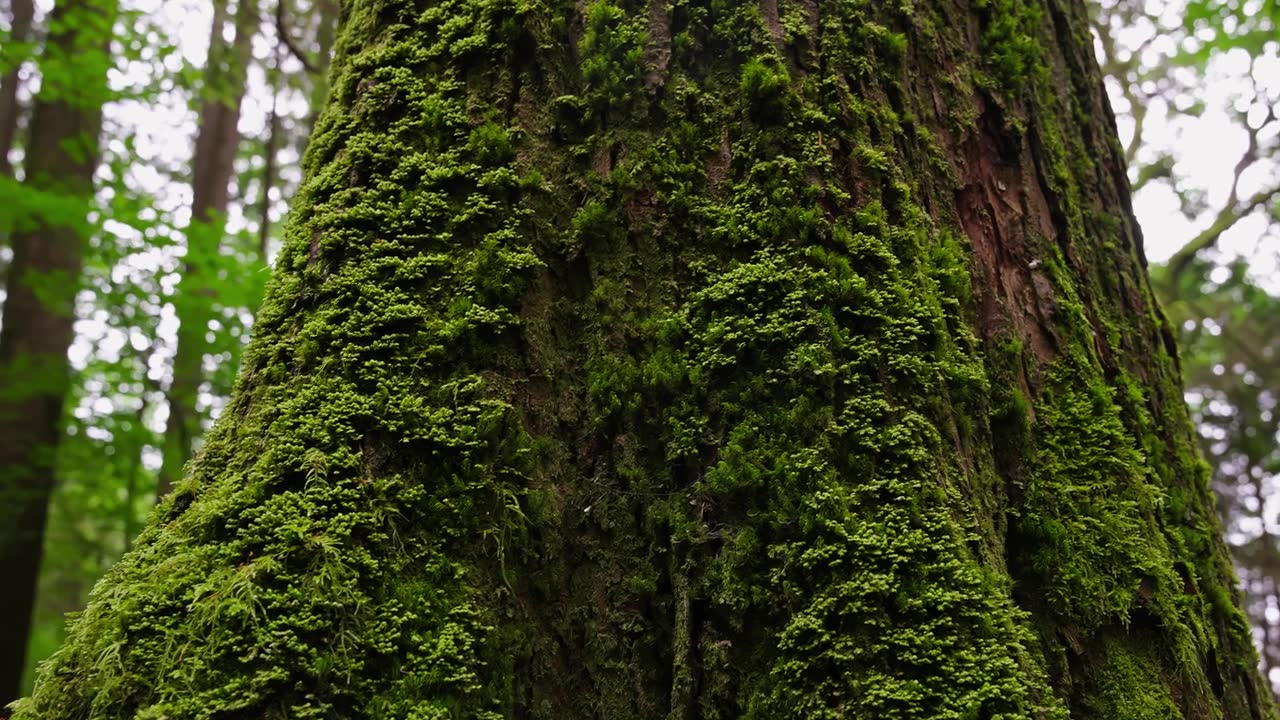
149	150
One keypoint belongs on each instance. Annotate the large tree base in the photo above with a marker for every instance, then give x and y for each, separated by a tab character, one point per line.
702	360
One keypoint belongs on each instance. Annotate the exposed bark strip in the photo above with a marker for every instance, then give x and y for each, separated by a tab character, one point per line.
683	664
1003	210
772	23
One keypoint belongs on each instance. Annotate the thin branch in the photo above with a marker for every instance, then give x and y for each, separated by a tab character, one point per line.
1162	167
1232	212
282	31
1207	238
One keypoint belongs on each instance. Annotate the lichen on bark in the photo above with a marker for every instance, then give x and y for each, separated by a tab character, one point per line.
714	360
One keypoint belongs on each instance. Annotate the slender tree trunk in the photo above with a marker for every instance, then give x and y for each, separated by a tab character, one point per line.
326	34
771	359
217	140
21	18
269	149
316	68
20	24
61	157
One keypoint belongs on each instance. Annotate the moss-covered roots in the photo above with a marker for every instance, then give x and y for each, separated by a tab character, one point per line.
707	359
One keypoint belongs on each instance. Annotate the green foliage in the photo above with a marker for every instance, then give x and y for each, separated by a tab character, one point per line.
106	462
1224	26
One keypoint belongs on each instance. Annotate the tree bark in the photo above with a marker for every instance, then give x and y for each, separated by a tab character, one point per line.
217	141
20	22
42	281
695	360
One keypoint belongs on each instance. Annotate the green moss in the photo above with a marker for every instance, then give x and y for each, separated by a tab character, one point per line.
612	49
491	143
764	84
1128	685
1013	51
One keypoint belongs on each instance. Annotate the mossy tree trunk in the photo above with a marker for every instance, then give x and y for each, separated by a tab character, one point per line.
61	156
706	359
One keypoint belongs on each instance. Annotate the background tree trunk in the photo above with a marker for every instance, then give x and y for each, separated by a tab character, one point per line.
21	19
217	142
61	156
693	360
326	35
